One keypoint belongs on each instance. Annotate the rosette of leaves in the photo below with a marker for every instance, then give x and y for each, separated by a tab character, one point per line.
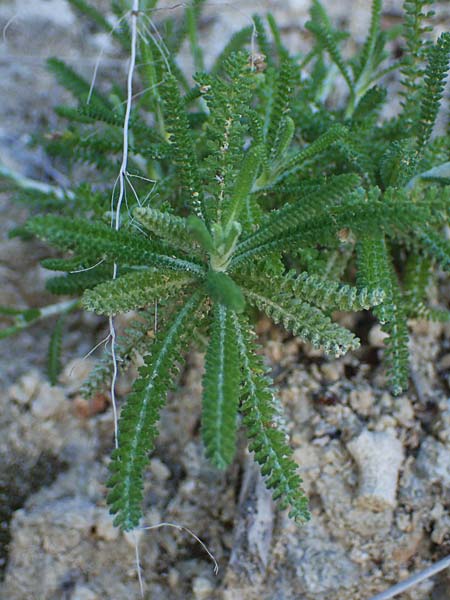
210	258
395	230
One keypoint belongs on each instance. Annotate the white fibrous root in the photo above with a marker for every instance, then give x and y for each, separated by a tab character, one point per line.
379	456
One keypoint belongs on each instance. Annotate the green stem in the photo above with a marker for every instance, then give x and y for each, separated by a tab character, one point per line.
30	316
32	184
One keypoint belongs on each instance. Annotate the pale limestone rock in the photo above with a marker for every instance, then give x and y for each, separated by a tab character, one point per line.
202	588
159	469
49	402
331	371
379	456
82	592
24	390
377	336
433	462
362	401
404	411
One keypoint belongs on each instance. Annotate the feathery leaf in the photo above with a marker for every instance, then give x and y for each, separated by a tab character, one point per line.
172	229
306	321
434	84
138	418
262	420
375	269
184	155
134	290
220	389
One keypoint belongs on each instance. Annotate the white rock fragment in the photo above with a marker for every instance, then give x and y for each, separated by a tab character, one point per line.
379	455
49	402
386	423
442	427
23	391
377	336
173	578
331	371
433	462
202	588
159	469
362	401
81	592
404	412
359	556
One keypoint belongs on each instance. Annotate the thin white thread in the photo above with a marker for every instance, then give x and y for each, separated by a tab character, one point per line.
91	351
100	57
138	200
190	532
414	580
157	35
145	90
121	181
149	194
8	24
159	43
113	61
229	5
103	341
136	225
138	563
136	197
179	528
112	334
143	178
113	194
88	268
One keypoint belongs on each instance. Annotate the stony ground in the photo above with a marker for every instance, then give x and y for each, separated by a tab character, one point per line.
377	468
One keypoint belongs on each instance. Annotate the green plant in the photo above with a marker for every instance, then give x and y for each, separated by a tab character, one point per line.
395	228
260	199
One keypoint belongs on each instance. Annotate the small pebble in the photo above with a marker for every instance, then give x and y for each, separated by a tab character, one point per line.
362	401
23	391
403	411
403	521
159	469
331	372
274	351
377	336
173	578
49	402
386	423
444	363
359	556
202	588
441	531
433	462
82	592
